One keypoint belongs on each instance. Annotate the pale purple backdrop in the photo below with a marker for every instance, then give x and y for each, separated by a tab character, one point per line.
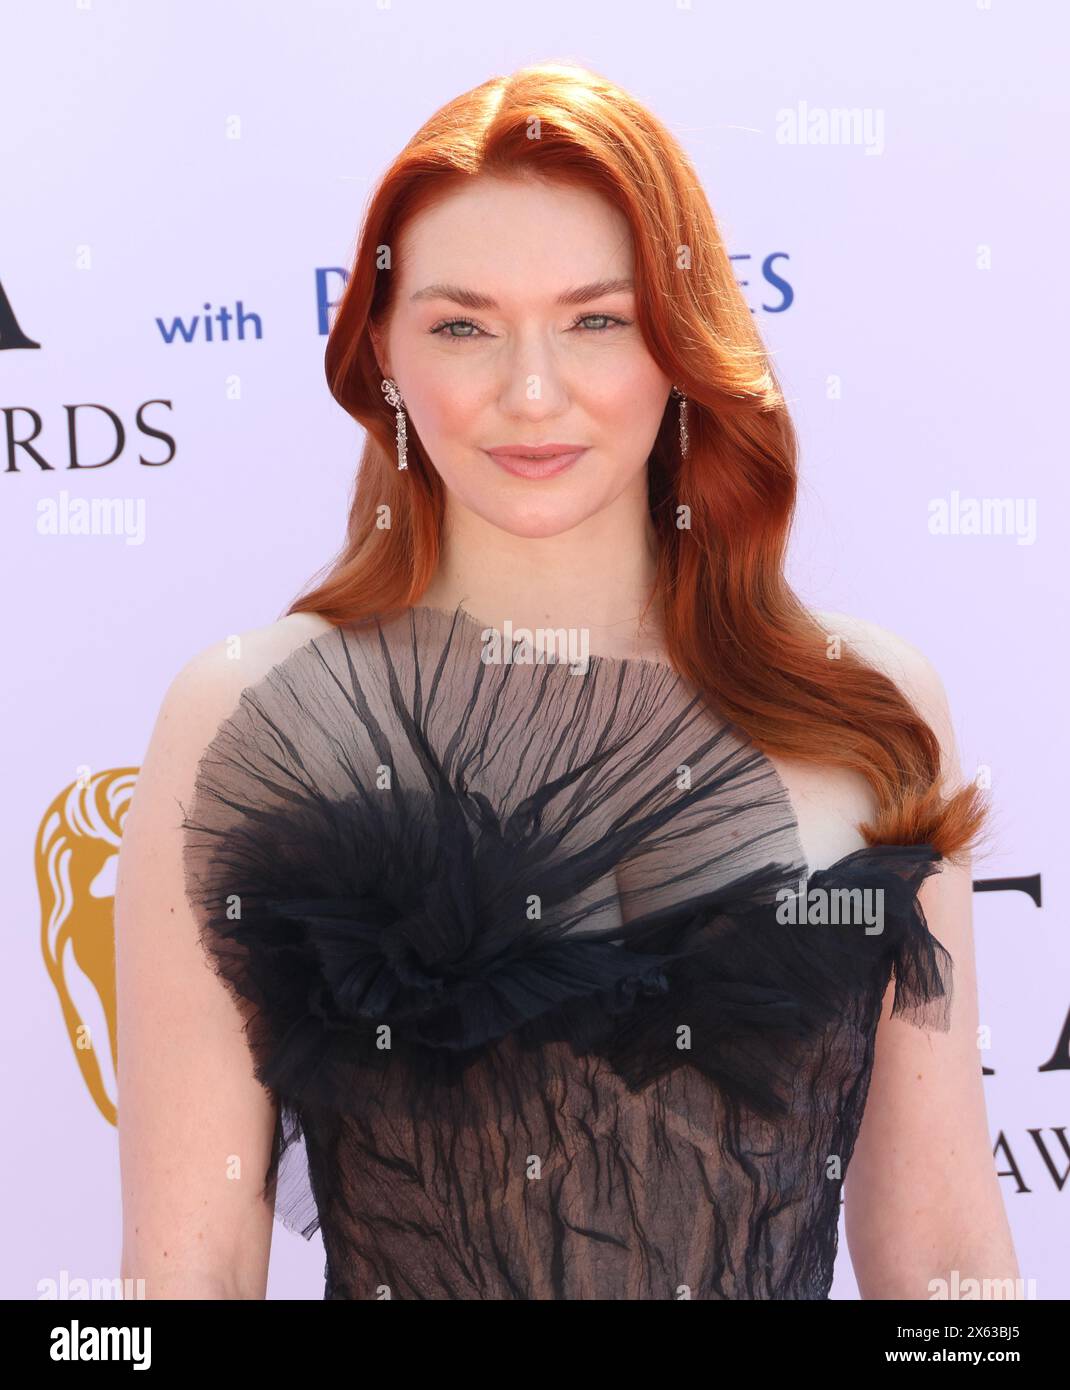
161	157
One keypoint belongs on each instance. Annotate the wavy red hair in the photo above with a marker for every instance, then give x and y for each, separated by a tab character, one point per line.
733	626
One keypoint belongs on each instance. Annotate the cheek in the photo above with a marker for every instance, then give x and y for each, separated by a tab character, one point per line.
443	410
632	400
632	382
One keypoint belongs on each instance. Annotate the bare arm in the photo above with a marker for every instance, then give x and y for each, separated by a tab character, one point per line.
922	1195
195	1126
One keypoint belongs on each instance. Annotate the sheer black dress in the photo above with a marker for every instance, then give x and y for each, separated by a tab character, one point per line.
531	963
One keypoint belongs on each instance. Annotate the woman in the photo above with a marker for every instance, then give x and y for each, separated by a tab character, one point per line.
520	994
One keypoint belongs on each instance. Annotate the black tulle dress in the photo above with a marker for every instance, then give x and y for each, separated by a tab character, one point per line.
532	967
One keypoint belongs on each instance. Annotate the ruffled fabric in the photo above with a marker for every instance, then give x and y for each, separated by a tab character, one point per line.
457	899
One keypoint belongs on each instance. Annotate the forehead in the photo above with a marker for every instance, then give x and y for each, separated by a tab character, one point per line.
518	240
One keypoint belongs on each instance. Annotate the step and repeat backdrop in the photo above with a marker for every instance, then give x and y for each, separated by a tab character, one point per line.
182	187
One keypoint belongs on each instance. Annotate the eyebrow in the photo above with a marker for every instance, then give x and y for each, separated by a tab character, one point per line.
471	299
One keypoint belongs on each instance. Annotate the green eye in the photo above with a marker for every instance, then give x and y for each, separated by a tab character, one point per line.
607	322
455	323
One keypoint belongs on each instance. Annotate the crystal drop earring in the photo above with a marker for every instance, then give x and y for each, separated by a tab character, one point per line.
685	441
393	395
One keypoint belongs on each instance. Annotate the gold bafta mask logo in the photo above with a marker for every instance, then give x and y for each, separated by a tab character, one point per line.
75	859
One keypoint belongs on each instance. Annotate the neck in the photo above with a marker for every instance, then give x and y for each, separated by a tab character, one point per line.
598	576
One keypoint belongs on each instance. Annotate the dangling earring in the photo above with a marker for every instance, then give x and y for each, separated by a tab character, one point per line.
685	441
393	395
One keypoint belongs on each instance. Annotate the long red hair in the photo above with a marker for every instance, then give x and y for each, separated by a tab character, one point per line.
733	626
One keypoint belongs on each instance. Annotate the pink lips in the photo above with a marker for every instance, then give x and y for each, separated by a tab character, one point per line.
536	460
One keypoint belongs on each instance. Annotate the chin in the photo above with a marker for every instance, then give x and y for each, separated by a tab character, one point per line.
537	523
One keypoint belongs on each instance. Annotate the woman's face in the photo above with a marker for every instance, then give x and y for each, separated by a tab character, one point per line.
487	356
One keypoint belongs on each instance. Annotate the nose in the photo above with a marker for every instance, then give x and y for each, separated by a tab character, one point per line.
534	385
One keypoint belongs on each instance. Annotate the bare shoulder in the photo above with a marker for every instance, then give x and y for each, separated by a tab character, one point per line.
205	690
908	668
831	802
902	662
253	653
211	681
